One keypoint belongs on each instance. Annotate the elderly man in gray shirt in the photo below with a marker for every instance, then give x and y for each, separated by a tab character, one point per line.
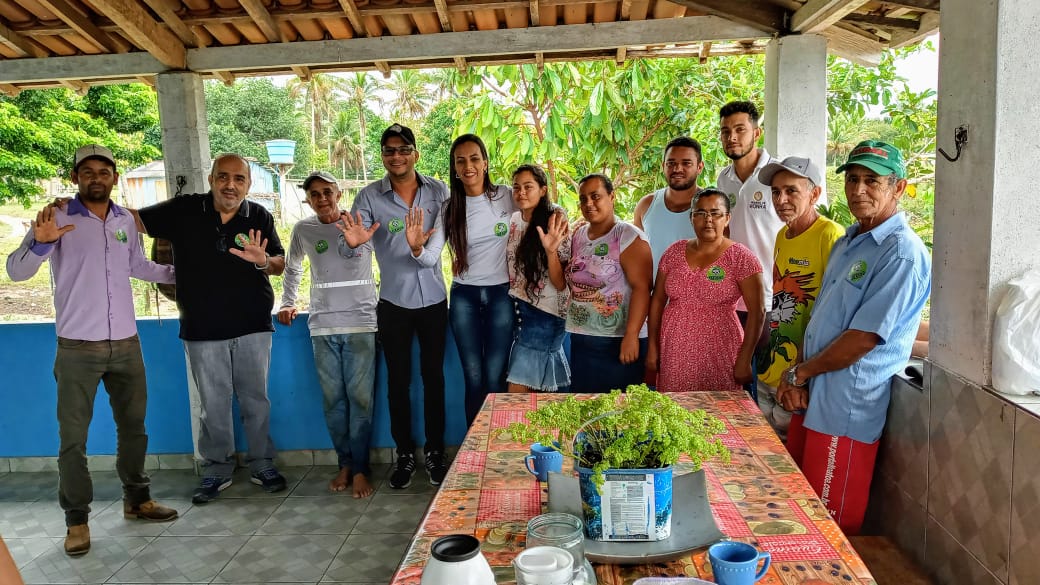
397	214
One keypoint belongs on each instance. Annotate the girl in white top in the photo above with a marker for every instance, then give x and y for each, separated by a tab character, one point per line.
537	251
610	276
475	221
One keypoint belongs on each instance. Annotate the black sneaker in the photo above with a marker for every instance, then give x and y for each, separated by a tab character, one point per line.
270	479
209	489
436	467
403	471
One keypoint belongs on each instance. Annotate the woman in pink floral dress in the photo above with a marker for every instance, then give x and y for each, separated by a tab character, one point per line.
696	341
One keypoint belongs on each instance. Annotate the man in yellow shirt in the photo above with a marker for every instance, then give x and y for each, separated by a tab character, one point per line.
800	255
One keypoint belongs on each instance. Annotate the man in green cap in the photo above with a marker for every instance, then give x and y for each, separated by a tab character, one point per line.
860	334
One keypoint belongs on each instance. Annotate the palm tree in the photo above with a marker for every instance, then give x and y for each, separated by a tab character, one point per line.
344	150
318	95
411	94
361	89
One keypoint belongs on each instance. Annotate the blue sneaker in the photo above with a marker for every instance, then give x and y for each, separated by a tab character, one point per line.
270	479
209	489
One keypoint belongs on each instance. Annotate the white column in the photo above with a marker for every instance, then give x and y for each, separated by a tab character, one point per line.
987	219
796	97
185	137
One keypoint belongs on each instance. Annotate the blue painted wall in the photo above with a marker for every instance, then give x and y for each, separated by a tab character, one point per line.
28	423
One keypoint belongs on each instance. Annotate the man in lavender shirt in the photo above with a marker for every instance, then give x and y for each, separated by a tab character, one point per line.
94	249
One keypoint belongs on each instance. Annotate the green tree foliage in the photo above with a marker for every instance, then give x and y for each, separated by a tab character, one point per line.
40	131
435	137
243	116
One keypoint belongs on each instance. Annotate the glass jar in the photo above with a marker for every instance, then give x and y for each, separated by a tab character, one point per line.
562	531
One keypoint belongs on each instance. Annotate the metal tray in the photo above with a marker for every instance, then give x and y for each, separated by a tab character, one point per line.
693	526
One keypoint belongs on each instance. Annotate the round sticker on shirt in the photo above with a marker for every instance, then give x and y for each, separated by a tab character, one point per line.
716	274
501	229
395	225
241	240
601	250
858	271
121	235
321	246
758	195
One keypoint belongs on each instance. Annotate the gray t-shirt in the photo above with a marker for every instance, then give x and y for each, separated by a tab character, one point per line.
343	293
487	230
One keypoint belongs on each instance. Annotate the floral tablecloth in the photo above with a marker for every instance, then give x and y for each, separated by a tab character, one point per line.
760	497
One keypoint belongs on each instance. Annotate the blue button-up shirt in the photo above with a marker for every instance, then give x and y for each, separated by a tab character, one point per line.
405	280
877	281
91	267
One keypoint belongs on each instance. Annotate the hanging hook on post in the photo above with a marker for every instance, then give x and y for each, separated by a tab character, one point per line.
960	138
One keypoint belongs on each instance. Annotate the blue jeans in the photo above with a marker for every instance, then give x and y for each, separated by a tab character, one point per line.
482	319
595	366
347	372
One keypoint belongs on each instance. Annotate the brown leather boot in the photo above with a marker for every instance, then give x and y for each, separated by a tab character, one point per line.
150	510
77	540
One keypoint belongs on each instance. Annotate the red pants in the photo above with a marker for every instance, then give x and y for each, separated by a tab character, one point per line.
838	468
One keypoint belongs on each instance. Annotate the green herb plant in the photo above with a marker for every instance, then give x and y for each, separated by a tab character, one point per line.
635	429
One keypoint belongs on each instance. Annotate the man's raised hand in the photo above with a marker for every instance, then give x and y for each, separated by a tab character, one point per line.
45	228
354	231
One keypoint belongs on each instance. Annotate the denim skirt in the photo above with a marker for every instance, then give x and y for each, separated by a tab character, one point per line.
537	359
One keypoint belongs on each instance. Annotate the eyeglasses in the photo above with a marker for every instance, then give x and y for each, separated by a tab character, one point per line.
401	150
713	214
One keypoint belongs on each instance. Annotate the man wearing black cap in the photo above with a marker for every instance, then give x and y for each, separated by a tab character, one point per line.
342	324
94	249
397	213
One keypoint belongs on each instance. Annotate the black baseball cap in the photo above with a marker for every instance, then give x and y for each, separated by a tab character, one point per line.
404	132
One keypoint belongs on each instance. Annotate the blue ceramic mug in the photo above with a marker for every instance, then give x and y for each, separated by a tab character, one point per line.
736	563
542	460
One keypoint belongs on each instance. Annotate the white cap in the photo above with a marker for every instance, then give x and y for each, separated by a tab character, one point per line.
92	151
544	565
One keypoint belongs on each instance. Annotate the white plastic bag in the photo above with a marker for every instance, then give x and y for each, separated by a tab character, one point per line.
1016	337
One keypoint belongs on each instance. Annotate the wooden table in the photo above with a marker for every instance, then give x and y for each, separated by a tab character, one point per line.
760	497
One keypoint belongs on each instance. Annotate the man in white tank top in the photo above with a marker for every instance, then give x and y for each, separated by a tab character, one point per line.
664	215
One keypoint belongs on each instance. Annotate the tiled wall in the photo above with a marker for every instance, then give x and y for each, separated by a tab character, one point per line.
957	485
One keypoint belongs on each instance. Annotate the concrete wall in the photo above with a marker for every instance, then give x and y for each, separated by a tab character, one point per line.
28	426
957	485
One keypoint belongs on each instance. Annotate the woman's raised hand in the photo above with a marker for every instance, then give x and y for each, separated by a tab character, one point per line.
557	231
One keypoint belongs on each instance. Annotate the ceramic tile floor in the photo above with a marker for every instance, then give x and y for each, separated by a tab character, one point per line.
304	535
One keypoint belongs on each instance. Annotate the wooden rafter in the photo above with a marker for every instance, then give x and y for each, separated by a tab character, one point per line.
20	44
177	26
304	73
854	44
149	81
929	24
705	52
442	14
82	25
626	10
384	68
10	90
536	18
539	61
761	15
900	23
263	20
817	15
622	54
929	5
460	64
79	87
354	17
141	28
226	77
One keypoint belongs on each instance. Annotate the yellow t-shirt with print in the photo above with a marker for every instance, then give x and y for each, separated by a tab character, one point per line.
798	267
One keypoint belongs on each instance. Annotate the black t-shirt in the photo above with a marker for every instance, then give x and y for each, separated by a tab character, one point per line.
220	296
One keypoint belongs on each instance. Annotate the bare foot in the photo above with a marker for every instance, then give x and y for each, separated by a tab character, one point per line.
341	481
362	489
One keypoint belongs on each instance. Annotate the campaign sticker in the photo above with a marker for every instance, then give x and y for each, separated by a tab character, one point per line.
242	240
121	235
395	225
600	250
501	229
858	271
716	274
321	246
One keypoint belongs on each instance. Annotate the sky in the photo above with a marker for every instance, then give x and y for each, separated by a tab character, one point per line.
922	68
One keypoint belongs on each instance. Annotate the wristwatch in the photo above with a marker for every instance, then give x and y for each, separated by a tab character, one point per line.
791	377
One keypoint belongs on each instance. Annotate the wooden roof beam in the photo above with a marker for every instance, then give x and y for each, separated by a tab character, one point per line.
304	73
137	24
263	20
384	68
10	90
897	23
929	5
621	55
626	10
177	26
928	25
761	15
20	44
79	87
854	44
817	15
354	17
442	14
536	18
539	61
460	64
705	52
226	77
82	25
